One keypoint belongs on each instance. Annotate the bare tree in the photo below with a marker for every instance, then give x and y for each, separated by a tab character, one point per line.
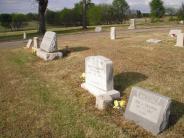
42	6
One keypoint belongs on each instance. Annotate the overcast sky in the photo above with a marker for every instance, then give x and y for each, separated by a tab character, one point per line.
25	6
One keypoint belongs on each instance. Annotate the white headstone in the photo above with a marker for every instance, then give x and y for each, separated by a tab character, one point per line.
113	33
98	29
132	24
29	43
180	40
49	42
181	22
24	35
99	76
35	42
148	109
174	33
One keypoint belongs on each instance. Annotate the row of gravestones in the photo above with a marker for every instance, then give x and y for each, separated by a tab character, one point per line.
145	108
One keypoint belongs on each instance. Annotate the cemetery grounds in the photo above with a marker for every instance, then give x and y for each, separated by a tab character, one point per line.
44	99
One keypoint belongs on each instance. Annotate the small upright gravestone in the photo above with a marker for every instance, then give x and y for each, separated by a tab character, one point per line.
148	109
24	35
99	77
113	33
98	29
29	43
180	40
132	24
35	42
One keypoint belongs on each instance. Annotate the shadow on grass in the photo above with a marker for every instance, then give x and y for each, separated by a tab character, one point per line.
67	50
177	111
126	79
78	49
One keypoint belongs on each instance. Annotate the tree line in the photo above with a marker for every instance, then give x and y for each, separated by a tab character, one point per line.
86	13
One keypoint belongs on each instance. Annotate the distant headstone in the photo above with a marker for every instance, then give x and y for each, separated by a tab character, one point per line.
174	33
49	42
148	109
29	43
180	40
181	22
35	42
48	56
24	35
98	29
113	33
153	41
99	77
132	24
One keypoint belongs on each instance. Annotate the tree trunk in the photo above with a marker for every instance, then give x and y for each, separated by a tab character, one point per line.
41	10
42	27
84	22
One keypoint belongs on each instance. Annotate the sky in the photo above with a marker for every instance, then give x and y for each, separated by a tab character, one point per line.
26	6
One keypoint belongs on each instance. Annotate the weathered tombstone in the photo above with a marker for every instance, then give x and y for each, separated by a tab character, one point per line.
153	41
49	42
180	40
132	24
149	110
174	33
98	29
24	35
29	43
113	33
35	42
99	77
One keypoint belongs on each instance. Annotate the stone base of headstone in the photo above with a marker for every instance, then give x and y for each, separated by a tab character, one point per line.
131	27
103	101
48	56
97	92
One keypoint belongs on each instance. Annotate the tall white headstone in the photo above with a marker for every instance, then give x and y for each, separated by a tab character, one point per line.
132	24
49	42
99	76
180	40
113	33
24	35
35	42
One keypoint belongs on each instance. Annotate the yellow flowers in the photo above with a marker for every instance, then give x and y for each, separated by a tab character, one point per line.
34	50
83	76
119	104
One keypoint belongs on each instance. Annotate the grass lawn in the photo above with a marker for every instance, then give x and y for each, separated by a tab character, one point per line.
44	99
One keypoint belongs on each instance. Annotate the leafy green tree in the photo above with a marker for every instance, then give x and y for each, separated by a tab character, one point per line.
95	15
157	9
6	20
121	9
181	12
18	20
